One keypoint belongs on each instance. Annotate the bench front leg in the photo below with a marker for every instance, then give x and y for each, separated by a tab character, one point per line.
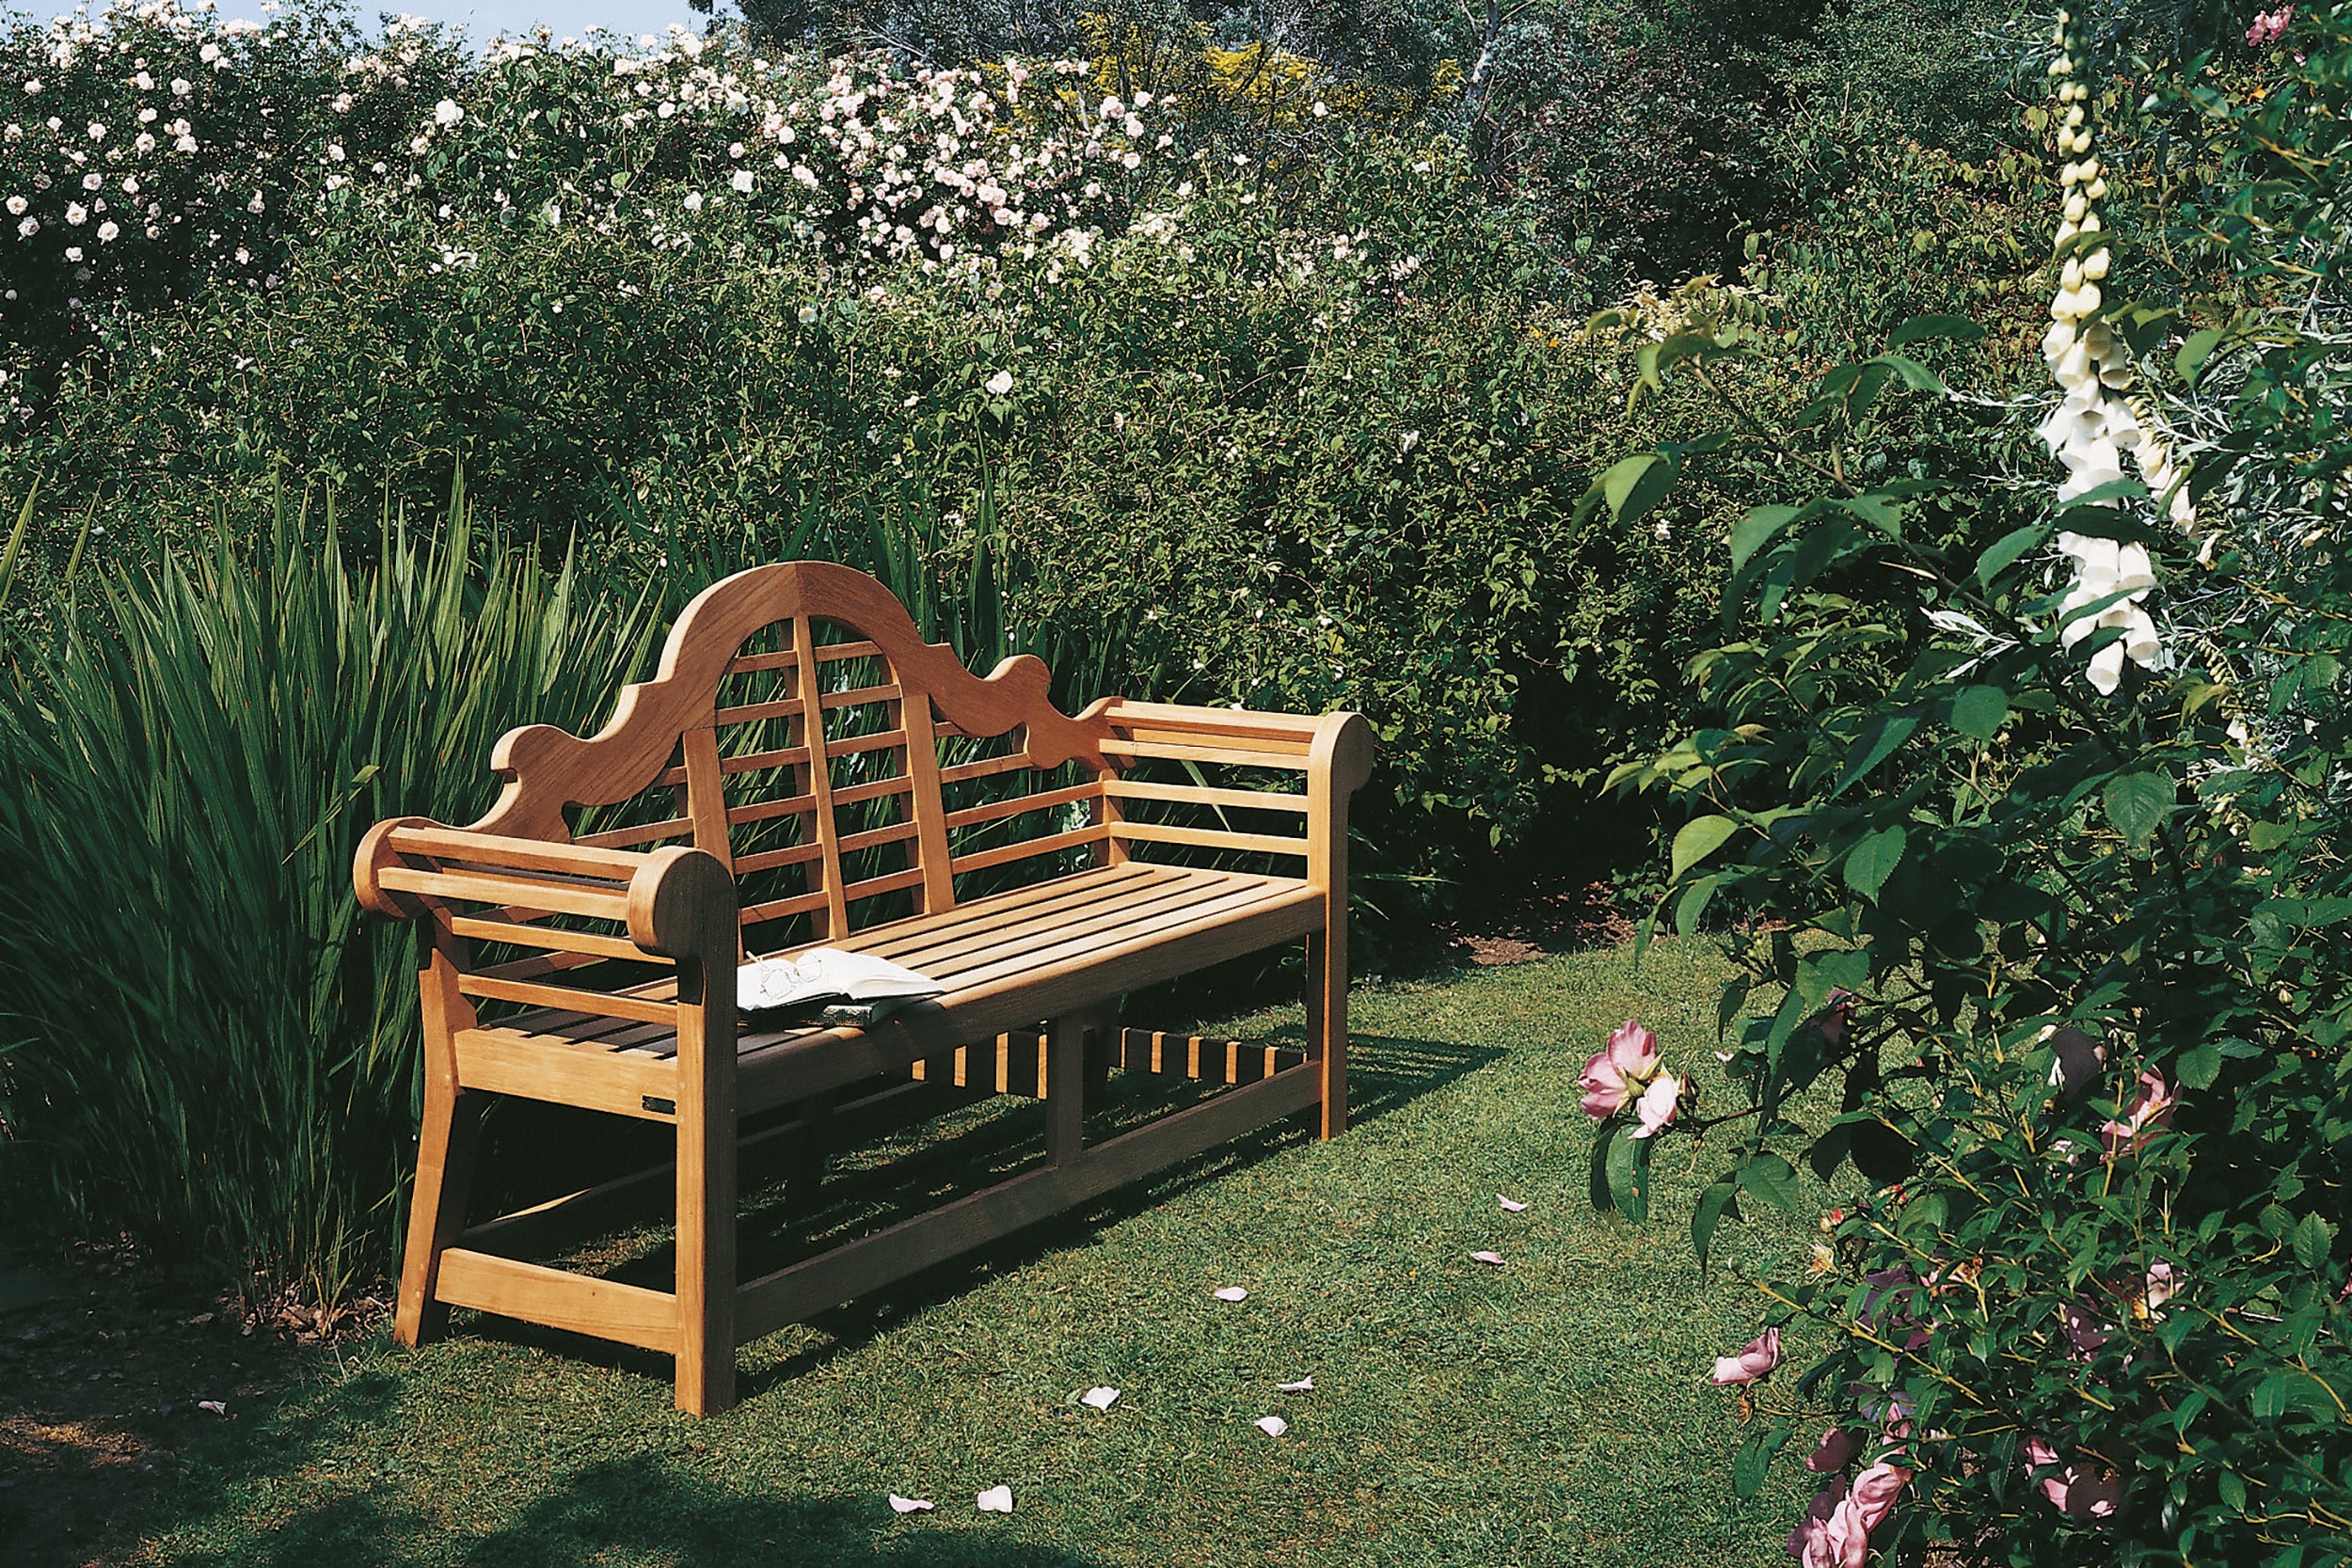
447	1139
1337	763
685	909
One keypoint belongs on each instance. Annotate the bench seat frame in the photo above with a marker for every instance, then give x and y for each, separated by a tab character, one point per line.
1037	1017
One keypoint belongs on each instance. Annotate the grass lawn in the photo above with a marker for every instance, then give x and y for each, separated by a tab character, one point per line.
1551	1411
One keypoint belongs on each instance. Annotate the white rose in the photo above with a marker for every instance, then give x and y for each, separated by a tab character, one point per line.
16	206
75	212
998	385
447	113
181	86
210	54
256	204
29	228
742	181
693	203
107	231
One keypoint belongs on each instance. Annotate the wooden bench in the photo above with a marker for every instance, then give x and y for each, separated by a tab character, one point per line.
804	769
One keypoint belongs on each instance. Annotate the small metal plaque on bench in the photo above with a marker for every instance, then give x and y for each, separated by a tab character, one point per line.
658	1106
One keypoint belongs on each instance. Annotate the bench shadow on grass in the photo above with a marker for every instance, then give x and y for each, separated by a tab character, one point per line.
630	1511
911	1173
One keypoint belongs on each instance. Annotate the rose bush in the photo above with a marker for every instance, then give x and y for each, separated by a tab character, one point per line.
2051	858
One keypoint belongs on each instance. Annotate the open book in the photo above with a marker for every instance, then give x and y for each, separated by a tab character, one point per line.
826	985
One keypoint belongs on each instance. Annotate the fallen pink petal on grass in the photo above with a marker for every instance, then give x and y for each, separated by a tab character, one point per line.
909	1505
996	1500
1510	1206
1230	1292
216	1406
1304	1385
1492	1260
1273	1426
1101	1398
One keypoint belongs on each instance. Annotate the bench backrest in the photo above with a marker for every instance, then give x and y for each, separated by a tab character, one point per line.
799	728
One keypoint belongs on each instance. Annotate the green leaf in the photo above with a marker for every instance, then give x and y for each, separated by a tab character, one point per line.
2233	1489
1634	485
1628	1177
1875	745
1699	838
1718	1198
2007	548
1596	1183
1757	530
1959	329
2267	836
2312	1239
1873	859
1755	1456
1981	712
16	543
1692	904
1878	511
2195	352
2137	804
1916	376
2198	1066
1771	1178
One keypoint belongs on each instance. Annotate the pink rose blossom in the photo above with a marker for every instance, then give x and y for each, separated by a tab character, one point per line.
1875	1491
1656	1107
2075	1492
1761	1356
1613	1076
2086	1331
1837	1451
1835	1016
2268	25
1833	1534
2146	1115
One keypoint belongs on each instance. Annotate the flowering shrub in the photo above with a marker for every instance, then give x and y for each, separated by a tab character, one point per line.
159	149
2057	988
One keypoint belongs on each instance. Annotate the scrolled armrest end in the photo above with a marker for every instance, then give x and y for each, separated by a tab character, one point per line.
376	853
1343	743
681	904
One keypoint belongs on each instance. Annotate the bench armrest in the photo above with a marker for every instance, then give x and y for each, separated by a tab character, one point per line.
1333	752
677	902
1338	745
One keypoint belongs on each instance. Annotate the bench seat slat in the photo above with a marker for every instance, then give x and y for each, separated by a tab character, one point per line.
1110	910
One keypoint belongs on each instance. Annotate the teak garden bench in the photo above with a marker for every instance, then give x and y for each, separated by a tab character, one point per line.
804	769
